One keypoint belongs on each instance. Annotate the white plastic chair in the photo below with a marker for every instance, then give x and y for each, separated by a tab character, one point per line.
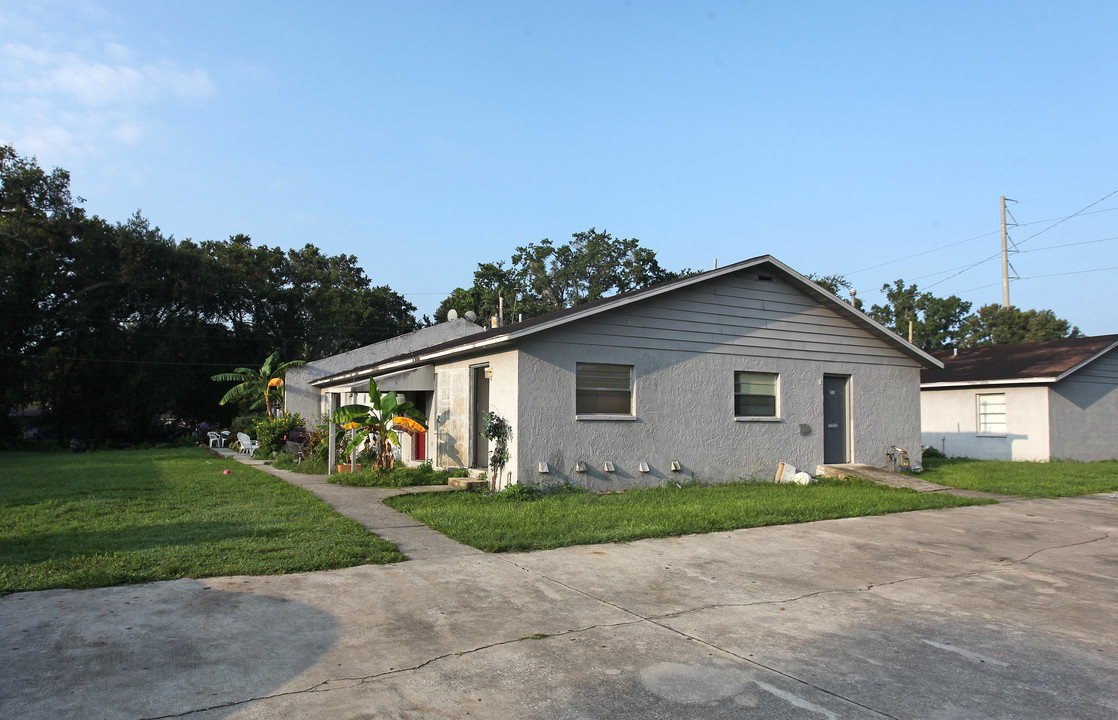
248	445
215	439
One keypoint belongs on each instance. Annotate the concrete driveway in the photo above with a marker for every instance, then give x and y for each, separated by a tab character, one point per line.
1007	611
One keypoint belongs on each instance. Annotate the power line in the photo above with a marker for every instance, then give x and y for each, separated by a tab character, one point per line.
998	254
1038	277
117	361
1069	217
1057	247
925	252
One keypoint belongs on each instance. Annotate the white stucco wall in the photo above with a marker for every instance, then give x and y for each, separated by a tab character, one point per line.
949	421
452	421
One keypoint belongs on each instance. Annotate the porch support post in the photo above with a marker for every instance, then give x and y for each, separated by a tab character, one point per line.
332	452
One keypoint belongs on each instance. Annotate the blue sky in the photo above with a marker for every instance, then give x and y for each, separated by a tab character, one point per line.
870	139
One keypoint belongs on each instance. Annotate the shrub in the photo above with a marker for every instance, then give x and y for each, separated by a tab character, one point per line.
519	493
246	423
271	433
931	452
399	476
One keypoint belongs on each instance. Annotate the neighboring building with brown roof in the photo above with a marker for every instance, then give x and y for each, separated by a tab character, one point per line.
1056	399
716	376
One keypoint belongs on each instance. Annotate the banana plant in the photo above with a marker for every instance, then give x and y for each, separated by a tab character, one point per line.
378	422
257	385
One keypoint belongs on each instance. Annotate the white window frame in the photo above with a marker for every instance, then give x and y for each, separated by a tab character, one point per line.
775	417
582	386
987	410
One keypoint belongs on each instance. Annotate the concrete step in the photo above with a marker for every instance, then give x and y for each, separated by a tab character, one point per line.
469	484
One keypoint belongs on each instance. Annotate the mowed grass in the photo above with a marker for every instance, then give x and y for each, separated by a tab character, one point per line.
109	518
1062	478
497	524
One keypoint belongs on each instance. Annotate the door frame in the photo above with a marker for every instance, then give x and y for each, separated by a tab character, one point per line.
847	419
478	374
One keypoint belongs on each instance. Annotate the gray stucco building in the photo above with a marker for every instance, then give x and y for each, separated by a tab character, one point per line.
717	376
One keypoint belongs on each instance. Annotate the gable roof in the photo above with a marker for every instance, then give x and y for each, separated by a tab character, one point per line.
510	333
1037	362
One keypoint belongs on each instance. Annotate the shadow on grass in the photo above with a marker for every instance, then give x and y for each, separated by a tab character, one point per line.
61	546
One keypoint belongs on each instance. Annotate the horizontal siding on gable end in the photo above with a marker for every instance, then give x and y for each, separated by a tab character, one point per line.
782	332
766	301
721	307
725	324
736	317
1103	371
643	345
802	349
748	284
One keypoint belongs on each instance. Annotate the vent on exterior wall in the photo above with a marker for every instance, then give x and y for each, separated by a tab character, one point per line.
765	278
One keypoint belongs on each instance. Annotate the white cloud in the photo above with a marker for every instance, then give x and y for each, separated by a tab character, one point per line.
87	98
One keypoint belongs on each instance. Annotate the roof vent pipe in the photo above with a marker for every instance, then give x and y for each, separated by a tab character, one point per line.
715	263
955	352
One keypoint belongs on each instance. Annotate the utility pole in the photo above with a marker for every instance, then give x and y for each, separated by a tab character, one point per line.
1005	254
1005	259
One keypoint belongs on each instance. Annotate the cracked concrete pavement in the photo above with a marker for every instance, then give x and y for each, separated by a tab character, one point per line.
1005	611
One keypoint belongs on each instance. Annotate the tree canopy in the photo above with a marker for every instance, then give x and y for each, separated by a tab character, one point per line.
115	329
943	323
543	277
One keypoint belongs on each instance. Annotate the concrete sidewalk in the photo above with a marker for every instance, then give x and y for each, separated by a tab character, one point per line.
1003	611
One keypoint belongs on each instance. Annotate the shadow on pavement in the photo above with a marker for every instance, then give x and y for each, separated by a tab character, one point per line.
152	650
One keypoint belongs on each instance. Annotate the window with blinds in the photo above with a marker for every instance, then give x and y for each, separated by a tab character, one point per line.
754	394
602	389
991	414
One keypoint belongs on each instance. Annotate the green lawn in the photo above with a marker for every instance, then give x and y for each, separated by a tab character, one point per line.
115	517
1063	478
498	524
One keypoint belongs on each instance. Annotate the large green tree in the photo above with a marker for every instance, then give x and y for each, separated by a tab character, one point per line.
115	329
936	322
997	325
942	323
543	277
303	302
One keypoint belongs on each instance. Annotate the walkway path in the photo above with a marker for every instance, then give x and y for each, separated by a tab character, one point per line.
892	479
364	504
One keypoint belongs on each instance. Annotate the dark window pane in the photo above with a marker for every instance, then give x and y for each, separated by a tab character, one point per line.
603	389
755	405
754	394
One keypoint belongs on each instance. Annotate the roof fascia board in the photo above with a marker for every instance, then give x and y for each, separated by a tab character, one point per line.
847	307
1088	361
726	270
514	334
403	363
979	383
640	296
